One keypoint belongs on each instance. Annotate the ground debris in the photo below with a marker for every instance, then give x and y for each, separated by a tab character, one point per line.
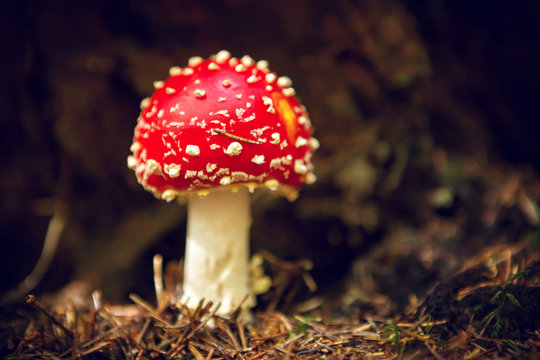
145	332
173	331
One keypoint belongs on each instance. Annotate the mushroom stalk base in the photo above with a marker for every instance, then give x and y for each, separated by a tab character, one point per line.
217	250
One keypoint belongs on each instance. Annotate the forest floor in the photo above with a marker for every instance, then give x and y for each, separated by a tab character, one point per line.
488	309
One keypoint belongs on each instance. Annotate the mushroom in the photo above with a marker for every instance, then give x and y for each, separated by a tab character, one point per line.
212	133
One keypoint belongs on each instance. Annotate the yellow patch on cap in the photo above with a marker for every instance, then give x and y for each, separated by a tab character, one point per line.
286	113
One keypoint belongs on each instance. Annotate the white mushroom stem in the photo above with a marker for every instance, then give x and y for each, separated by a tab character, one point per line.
217	249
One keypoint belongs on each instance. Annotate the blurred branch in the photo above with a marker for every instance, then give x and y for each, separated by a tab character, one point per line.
55	229
130	239
50	244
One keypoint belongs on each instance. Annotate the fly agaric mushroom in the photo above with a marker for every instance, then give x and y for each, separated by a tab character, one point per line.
213	132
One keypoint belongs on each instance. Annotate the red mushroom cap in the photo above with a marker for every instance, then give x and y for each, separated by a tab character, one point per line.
222	122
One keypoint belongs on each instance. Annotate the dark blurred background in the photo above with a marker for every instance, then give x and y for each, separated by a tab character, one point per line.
425	110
